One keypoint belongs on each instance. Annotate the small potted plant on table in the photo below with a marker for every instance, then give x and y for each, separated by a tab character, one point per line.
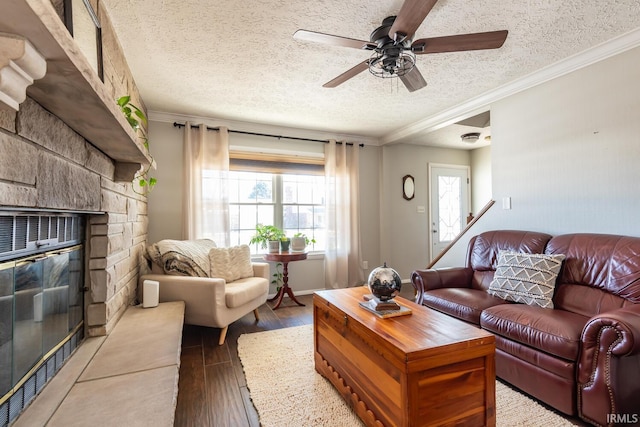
284	244
299	242
268	236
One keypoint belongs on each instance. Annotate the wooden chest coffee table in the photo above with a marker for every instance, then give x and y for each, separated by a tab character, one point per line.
421	369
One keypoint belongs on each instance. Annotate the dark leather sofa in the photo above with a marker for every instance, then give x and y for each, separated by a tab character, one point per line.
581	357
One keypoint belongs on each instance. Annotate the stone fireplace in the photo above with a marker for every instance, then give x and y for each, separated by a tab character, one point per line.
68	151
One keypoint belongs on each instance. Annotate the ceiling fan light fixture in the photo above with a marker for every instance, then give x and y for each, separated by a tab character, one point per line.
385	66
470	138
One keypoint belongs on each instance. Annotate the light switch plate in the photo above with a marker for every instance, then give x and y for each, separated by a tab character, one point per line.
506	202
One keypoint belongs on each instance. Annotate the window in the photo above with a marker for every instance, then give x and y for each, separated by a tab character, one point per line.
293	202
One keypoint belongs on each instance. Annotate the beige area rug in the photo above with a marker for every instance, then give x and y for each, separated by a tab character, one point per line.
287	391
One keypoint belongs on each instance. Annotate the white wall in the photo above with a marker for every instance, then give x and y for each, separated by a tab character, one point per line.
480	178
567	152
165	201
404	243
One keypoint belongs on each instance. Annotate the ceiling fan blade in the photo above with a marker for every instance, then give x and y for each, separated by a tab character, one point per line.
312	36
411	15
413	80
348	74
461	42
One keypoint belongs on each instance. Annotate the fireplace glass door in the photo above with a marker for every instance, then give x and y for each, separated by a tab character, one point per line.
41	303
6	331
27	322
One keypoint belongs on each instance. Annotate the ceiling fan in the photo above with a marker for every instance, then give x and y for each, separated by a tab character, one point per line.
393	48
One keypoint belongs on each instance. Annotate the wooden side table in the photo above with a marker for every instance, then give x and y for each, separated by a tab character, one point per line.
285	258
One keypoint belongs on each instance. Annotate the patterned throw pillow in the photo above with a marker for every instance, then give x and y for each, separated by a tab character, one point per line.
526	278
231	263
182	257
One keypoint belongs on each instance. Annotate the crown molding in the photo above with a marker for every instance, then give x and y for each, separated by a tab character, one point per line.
483	102
159	116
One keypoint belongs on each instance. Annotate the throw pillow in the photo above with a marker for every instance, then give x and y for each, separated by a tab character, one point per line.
526	278
231	263
182	257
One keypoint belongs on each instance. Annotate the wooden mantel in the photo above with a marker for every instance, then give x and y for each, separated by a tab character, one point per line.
71	89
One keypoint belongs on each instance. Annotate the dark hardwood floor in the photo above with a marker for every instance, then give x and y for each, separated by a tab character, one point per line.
212	387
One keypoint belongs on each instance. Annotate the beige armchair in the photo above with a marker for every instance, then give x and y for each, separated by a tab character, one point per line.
211	301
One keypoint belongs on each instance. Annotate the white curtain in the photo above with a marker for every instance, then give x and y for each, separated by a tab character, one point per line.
206	171
342	256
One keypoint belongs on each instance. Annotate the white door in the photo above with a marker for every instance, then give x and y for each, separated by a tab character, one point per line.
449	204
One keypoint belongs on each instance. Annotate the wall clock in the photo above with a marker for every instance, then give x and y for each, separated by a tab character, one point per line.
408	187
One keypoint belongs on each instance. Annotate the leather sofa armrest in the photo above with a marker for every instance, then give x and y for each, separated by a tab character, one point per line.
608	374
429	279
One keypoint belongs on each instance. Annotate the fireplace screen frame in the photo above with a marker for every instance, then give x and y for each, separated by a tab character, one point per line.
42	302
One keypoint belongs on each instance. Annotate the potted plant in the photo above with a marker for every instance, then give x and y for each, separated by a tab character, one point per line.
284	244
299	242
268	235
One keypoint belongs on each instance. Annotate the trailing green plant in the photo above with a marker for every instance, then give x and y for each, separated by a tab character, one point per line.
278	277
134	116
265	233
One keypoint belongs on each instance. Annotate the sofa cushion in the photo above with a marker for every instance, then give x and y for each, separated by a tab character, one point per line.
610	263
555	331
240	292
231	263
182	257
463	303
545	361
526	278
483	248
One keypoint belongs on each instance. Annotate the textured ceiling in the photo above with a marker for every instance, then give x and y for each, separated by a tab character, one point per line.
236	60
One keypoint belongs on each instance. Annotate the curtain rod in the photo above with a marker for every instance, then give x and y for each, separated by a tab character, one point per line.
326	141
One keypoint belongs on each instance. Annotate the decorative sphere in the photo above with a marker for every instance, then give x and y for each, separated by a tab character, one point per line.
384	283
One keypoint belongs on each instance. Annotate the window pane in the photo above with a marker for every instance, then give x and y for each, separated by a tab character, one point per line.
234	217
248	217
305	217
318	191
289	190
294	203
232	188
290	217
250	187
234	238
319	217
266	215
449	207
245	237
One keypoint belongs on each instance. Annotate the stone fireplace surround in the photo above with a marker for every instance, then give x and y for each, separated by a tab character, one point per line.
46	166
